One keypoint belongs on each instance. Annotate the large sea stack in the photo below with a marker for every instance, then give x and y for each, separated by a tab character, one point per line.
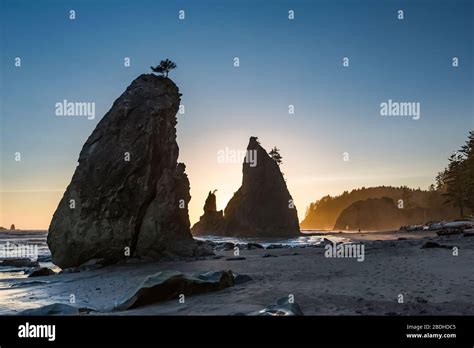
128	195
262	206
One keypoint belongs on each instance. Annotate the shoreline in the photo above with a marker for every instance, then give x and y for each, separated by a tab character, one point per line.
432	281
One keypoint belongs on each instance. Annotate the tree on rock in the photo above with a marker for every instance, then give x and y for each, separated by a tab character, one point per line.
275	154
164	67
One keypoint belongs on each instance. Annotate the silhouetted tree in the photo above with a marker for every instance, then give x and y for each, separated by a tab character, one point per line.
456	190
275	154
164	67
457	180
406	197
468	153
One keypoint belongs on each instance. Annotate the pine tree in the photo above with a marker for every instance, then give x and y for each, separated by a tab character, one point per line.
275	154
164	67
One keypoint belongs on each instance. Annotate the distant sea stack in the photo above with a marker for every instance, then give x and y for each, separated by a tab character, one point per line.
377	214
262	206
212	220
323	213
128	195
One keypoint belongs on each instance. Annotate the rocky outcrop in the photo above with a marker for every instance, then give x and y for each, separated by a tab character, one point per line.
323	214
128	195
262	206
377	214
167	285
212	220
41	272
283	307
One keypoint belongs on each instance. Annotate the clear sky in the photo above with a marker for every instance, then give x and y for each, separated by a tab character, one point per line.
282	62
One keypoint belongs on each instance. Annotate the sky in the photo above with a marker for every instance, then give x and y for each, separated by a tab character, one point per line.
283	62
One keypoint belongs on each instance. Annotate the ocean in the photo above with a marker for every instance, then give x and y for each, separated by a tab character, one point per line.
32	244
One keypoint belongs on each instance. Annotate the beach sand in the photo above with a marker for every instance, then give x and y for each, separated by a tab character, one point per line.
431	281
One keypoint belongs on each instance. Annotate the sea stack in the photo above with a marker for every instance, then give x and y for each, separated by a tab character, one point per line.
378	214
212	220
128	196
262	206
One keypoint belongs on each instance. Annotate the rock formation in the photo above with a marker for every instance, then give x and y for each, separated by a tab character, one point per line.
212	220
376	214
322	214
167	285
128	195
262	206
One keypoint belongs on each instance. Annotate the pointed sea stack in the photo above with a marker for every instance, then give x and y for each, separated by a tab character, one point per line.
262	207
128	195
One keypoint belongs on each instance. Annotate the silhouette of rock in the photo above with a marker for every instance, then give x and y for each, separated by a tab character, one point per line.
377	214
282	307
41	272
323	213
12	227
128	195
262	206
167	285
429	245
211	220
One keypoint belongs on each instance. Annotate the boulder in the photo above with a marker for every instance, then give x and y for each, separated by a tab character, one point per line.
251	246
429	245
282	307
128	195
41	272
275	246
167	285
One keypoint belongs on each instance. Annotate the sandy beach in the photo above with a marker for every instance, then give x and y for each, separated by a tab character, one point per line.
431	280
